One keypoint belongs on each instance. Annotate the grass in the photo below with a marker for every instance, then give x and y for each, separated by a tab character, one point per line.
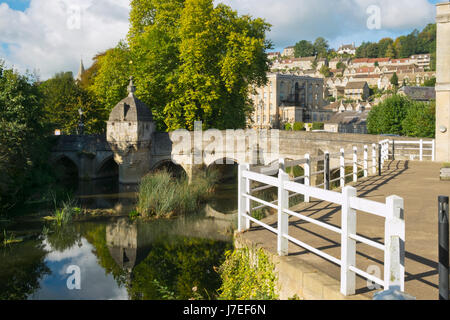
446	165
64	213
162	196
11	239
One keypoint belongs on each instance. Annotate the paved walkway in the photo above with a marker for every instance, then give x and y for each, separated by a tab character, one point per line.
419	185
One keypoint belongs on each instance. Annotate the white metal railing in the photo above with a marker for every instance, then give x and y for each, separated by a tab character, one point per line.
422	150
365	163
392	211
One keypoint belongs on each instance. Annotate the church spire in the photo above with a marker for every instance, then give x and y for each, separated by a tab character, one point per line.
80	71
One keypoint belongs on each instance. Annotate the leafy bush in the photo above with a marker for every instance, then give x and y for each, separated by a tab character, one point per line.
299	126
318	126
247	276
387	117
402	116
288	127
420	120
161	195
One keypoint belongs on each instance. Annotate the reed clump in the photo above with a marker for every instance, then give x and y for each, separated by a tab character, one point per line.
163	196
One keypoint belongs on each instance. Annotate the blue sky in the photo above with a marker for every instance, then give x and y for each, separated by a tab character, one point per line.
43	35
17	4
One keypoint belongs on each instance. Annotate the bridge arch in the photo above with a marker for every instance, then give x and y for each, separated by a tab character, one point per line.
226	167
108	168
66	168
177	170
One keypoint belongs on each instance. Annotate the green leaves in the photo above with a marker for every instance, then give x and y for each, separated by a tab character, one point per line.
63	97
191	62
22	130
401	116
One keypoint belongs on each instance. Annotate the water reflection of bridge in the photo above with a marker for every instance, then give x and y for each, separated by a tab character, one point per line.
130	242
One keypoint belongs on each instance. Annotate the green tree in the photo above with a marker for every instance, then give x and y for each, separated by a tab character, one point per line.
112	77
325	71
304	48
383	47
430	82
394	80
23	147
390	52
387	117
321	47
63	97
420	120
191	61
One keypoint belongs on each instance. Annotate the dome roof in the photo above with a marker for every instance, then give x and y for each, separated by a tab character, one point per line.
131	108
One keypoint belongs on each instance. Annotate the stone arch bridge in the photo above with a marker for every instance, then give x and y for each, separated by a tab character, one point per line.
132	147
94	157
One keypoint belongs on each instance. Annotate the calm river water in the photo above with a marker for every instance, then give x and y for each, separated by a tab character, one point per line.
119	258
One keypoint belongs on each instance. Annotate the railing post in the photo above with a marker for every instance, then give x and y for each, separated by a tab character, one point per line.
348	245
421	150
393	150
380	164
374	158
366	161
394	242
433	150
248	202
282	164
355	164
243	222
342	165
283	217
307	174
443	247
326	171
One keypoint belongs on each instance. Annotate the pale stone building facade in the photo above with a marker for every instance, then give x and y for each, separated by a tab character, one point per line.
287	98
443	83
289	51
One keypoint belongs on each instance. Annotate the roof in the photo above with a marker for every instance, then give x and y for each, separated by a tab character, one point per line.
347	46
356	85
131	108
349	117
419	93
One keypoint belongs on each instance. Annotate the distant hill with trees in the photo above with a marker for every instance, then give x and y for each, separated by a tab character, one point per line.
403	47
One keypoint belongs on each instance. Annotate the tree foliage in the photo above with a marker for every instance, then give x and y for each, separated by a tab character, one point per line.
402	47
305	48
420	120
63	97
22	142
401	116
191	62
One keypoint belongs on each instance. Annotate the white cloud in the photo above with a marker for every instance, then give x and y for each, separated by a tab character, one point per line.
52	37
41	38
334	19
95	283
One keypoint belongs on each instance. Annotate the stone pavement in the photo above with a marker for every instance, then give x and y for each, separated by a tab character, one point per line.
418	184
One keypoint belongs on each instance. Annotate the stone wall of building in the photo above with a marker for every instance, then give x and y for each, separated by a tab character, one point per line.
443	83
